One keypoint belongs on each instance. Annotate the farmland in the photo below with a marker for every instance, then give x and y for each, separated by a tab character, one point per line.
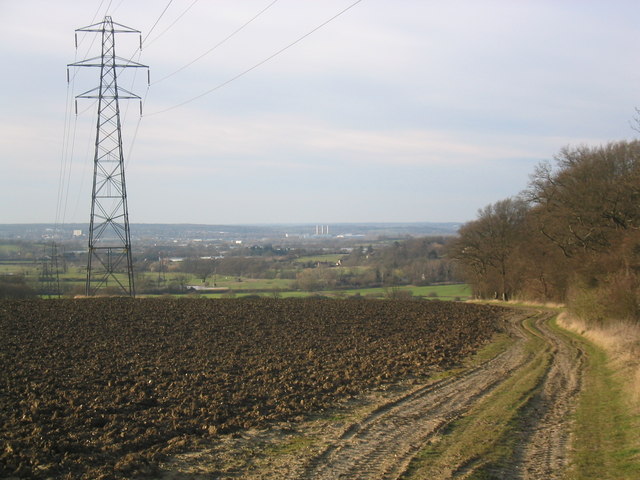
107	388
328	267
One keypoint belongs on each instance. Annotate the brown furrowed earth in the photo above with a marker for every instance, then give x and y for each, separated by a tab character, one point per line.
107	388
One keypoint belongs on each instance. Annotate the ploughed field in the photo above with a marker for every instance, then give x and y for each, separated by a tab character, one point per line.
108	387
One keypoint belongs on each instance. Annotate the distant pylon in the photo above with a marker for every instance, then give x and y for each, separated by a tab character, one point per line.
109	235
50	277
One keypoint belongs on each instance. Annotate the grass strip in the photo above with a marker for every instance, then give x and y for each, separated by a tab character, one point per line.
485	438
606	442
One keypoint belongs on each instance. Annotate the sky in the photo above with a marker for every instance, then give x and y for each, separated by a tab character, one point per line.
394	111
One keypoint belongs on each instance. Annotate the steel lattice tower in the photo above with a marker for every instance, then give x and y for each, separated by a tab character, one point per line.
50	277
109	256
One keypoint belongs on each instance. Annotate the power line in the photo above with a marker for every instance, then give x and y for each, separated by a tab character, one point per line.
116	8
106	11
68	143
109	232
71	154
85	166
84	34
135	133
227	82
172	24
95	15
218	44
64	155
158	20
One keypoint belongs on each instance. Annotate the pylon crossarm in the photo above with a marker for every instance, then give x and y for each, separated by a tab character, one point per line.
109	233
86	94
97	62
102	25
126	29
92	28
87	62
109	97
128	63
129	94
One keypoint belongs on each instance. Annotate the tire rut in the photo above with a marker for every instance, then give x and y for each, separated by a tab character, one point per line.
545	454
382	445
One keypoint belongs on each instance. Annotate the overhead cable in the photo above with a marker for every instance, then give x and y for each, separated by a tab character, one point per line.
155	24
227	82
218	44
172	24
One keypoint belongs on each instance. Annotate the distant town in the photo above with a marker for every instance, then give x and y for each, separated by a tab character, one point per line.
149	234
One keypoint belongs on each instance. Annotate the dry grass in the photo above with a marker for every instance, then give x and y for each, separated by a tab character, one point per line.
621	341
529	303
521	303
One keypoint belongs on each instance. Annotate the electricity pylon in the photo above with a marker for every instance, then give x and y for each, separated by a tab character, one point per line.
50	277
109	256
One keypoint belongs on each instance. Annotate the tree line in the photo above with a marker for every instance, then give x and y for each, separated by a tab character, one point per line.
412	261
415	261
572	236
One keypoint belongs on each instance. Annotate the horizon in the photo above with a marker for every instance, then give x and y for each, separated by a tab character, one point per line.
372	114
251	224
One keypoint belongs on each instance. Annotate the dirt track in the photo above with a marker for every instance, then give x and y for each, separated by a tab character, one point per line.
379	438
545	454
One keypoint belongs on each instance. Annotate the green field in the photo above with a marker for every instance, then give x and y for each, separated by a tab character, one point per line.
239	283
329	258
26	267
444	292
72	281
441	292
9	249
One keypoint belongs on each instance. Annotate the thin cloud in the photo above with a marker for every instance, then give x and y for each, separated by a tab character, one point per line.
433	107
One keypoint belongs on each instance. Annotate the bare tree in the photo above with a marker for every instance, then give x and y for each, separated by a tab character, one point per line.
486	247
